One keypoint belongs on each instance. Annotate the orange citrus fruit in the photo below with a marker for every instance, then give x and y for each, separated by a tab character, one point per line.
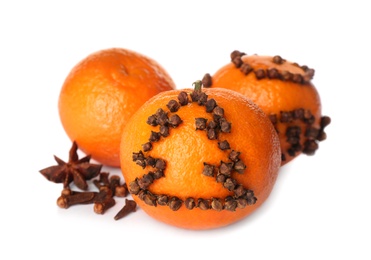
200	159
284	91
101	93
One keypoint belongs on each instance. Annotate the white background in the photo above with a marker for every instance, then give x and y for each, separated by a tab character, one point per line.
320	206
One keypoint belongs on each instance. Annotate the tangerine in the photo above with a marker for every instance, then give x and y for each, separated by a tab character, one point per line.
101	93
284	91
199	159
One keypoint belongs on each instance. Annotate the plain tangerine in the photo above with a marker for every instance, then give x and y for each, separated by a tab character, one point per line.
272	95
185	150
101	93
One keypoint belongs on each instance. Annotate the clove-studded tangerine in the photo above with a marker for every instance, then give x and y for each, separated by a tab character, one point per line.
216	164
284	91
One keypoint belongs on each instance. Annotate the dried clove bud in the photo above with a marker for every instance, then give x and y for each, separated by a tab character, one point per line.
102	206
220	178
157	174
273	73
286	75
236	53
147	147
312	133
259	73
239	190
203	204
310	146
298	113
121	190
218	112
148	198
173	105
208	170
234	155
145	181
230	184
225	126
200	123
162	200
164	131
150	161
162	118
134	187
183	98
230	204
241	203
138	156
224	145
206	81
190	203
175	203
325	121
278	60
297	78
286	116
239	167
210	105
216	204
65	201
175	120
237	61
152	120
212	124
246	68
154	137
212	134
130	206
225	168
202	99
160	164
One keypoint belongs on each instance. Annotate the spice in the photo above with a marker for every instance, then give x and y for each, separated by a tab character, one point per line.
203	204
175	203
75	198
76	170
130	206
224	145
175	120
162	200
206	81
210	105
236	53
259	73
173	105
208	170
273	73
246	68
190	203
239	167
147	146
278	60
200	123
225	126
183	98
154	137
216	204
101	207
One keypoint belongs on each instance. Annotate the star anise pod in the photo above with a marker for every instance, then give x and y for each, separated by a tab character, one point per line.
76	170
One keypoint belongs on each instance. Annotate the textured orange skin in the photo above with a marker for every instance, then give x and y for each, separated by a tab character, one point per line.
185	150
101	93
271	95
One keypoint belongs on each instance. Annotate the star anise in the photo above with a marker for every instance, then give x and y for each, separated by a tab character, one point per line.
76	170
